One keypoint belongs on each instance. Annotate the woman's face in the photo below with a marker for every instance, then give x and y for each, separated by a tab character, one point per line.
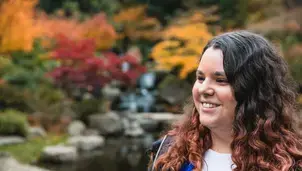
213	95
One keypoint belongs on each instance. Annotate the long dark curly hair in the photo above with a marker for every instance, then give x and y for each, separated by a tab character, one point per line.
265	136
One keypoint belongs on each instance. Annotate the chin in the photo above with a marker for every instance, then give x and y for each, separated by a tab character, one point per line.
208	122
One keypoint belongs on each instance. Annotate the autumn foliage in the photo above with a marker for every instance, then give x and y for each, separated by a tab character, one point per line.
137	25
182	43
17	25
100	30
21	24
96	28
81	68
49	27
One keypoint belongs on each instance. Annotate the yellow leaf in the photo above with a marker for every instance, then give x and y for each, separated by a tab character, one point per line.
182	44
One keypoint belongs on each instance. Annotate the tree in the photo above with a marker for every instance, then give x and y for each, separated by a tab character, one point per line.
182	43
17	30
80	68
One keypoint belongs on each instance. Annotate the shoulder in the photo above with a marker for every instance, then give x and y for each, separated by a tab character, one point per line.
161	145
158	148
164	142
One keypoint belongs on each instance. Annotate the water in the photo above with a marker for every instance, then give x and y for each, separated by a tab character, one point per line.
119	154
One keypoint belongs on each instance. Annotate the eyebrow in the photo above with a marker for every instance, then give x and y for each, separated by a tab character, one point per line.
217	73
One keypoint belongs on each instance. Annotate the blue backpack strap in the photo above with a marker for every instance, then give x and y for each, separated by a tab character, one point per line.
187	166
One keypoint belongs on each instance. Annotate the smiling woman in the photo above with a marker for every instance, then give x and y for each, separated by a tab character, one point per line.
243	100
212	94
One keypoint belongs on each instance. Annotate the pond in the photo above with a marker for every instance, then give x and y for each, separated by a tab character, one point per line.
119	154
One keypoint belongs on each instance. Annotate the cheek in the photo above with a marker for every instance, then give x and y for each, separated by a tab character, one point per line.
227	97
195	92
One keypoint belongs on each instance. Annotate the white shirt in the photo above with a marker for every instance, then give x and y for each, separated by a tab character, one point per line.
214	161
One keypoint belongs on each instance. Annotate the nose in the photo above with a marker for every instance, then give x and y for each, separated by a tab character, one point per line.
205	89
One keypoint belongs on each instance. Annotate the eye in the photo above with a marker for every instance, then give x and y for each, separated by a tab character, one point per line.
200	78
222	80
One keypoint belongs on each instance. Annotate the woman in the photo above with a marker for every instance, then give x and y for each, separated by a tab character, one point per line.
242	117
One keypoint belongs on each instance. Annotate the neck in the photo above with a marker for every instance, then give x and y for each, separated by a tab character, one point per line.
221	140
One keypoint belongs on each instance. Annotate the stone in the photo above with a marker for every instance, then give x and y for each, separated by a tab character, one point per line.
108	123
8	163
59	154
34	132
161	117
152	122
86	143
9	140
134	130
110	92
148	125
76	128
88	132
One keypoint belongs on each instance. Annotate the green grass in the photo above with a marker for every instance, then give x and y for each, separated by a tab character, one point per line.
31	150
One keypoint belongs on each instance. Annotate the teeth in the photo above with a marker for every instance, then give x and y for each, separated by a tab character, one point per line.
208	105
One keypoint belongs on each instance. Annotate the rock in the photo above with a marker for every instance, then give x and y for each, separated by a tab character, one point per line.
88	132
59	154
34	132
152	122
148	125
9	140
161	117
134	130
76	128
126	122
86	143
110	92
109	123
7	163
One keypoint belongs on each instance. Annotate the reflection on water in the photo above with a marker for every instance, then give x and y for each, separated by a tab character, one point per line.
122	154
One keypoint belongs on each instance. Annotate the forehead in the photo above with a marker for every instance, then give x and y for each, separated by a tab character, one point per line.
211	61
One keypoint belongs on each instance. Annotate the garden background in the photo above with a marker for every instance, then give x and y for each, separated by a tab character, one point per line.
89	84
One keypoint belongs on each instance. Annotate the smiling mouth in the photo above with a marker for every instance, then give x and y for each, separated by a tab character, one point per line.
209	105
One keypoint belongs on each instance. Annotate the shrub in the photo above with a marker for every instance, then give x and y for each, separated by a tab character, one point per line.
12	97
13	122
